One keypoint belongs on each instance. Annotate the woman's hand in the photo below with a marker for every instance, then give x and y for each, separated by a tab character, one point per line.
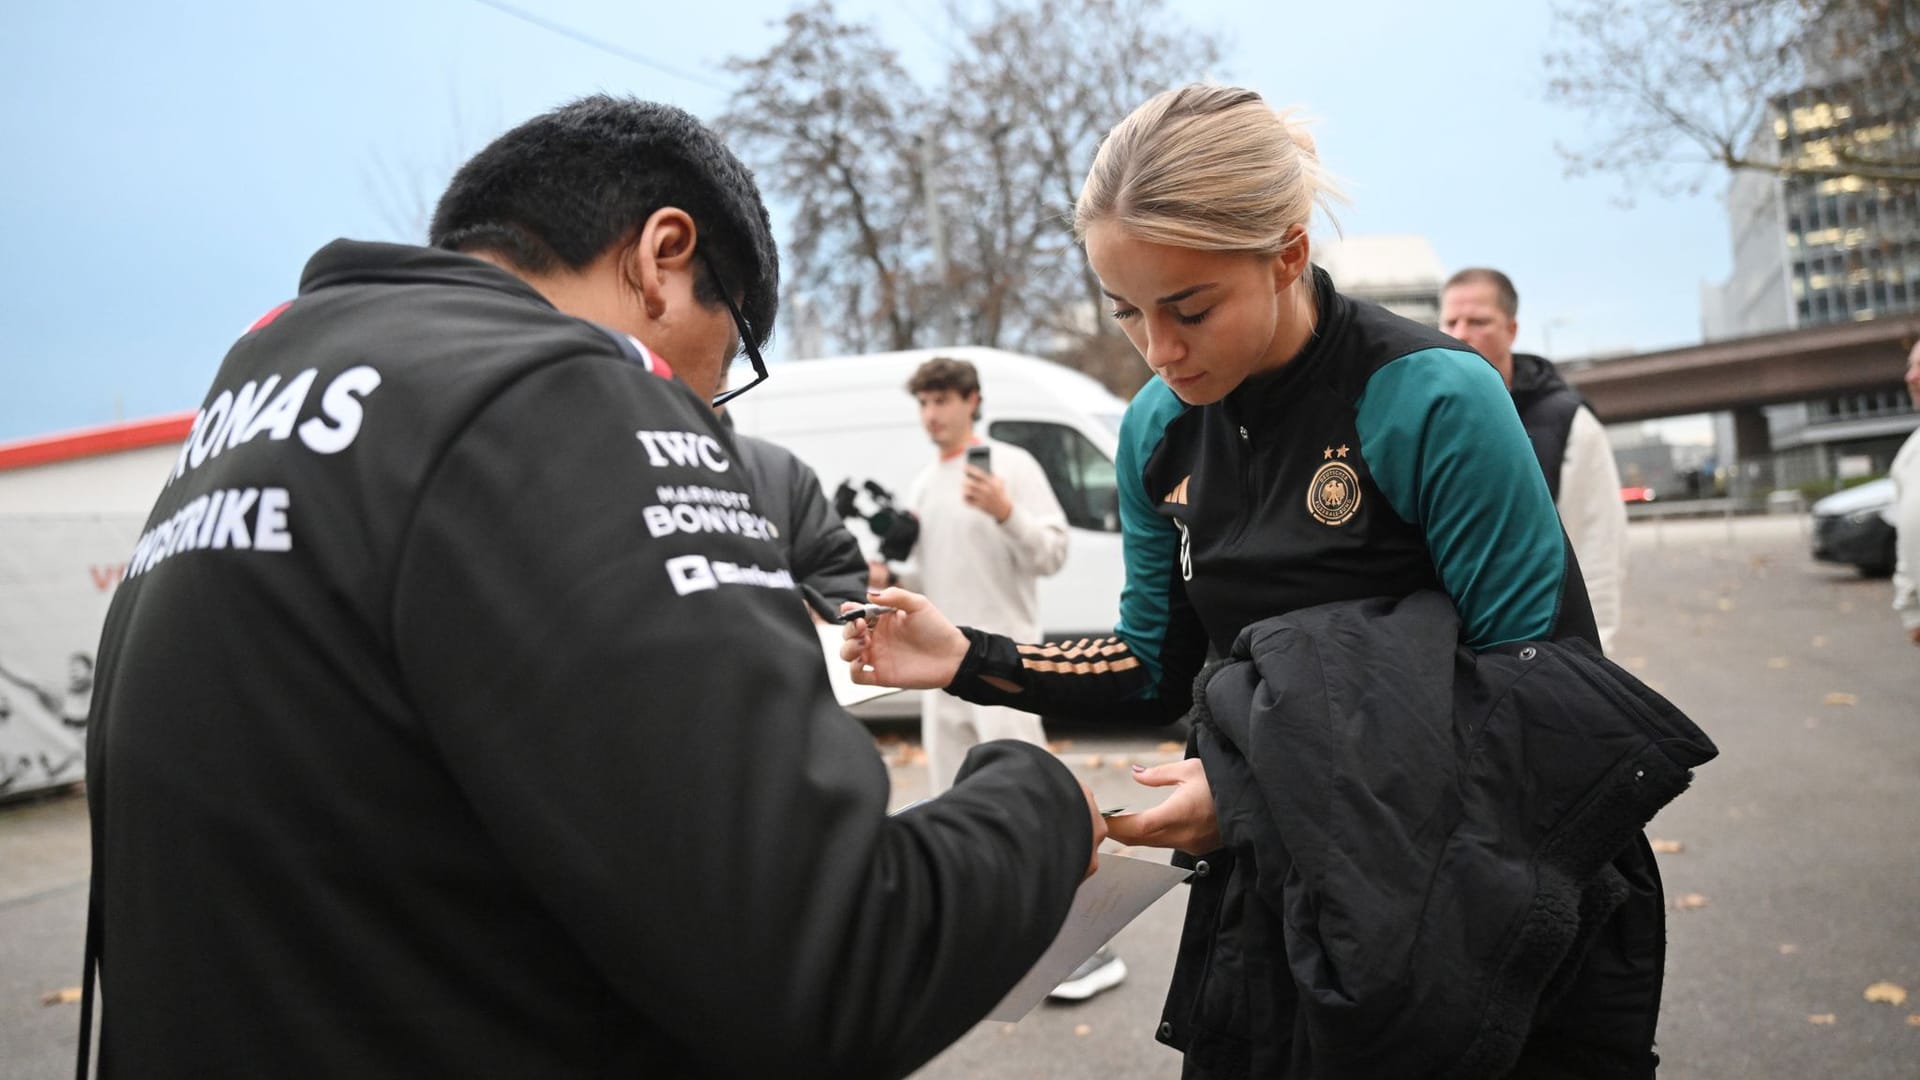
1185	821
914	647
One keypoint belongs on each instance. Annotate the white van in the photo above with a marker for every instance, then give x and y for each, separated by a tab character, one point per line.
851	418
71	507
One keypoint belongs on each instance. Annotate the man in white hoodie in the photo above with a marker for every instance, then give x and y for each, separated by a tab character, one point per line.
1906	515
990	529
987	536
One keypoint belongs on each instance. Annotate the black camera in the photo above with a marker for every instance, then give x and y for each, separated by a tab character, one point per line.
896	527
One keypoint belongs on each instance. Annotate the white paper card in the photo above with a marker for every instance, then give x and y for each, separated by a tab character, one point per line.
845	690
1114	896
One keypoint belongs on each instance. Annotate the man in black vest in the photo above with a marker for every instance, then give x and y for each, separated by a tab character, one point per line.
1479	306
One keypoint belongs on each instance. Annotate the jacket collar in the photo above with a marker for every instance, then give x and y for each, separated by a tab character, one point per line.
356	262
1534	376
1261	394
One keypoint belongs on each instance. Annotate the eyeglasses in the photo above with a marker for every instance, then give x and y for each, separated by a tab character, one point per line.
746	337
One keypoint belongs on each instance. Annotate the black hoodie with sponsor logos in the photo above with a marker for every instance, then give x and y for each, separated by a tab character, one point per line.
458	717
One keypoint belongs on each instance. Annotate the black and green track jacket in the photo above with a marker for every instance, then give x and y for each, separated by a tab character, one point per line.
1385	458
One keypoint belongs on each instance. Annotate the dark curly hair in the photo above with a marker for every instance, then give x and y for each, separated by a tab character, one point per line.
562	188
946	373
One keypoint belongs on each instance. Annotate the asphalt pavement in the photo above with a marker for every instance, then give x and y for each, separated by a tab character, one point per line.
1792	867
1796	886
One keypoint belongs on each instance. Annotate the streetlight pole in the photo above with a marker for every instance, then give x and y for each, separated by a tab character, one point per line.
936	228
1546	332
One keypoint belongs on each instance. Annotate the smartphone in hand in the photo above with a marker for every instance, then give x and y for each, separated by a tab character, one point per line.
981	457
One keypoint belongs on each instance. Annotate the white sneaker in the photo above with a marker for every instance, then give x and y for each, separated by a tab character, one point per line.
1101	971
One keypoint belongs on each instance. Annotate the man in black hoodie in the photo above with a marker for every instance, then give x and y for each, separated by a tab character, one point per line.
1480	307
457	716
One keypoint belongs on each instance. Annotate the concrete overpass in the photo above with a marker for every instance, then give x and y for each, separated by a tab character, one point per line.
1740	375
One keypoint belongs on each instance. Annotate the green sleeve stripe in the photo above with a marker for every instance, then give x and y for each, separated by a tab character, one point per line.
1150	542
1446	449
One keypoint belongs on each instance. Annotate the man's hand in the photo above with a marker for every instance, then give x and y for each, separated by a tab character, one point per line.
984	491
914	647
1187	819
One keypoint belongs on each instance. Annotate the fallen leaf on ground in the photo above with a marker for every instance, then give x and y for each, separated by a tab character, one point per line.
1121	762
65	996
1667	847
1170	748
1913	1019
1690	901
1840	697
1820	1018
1094	761
1887	993
1788	949
1083	1030
1777	663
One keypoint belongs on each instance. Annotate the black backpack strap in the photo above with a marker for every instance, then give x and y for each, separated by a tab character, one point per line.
88	967
96	789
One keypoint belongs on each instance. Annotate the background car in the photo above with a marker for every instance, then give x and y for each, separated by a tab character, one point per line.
1855	528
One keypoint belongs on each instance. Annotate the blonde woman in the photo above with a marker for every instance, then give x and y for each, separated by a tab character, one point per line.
1297	448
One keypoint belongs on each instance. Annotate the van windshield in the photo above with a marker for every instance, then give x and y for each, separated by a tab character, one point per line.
1081	475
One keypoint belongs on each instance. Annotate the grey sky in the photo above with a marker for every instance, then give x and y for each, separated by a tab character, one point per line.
171	167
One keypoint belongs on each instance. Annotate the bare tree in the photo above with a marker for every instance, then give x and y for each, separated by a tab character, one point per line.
830	117
404	190
1038	87
1690	87
941	214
